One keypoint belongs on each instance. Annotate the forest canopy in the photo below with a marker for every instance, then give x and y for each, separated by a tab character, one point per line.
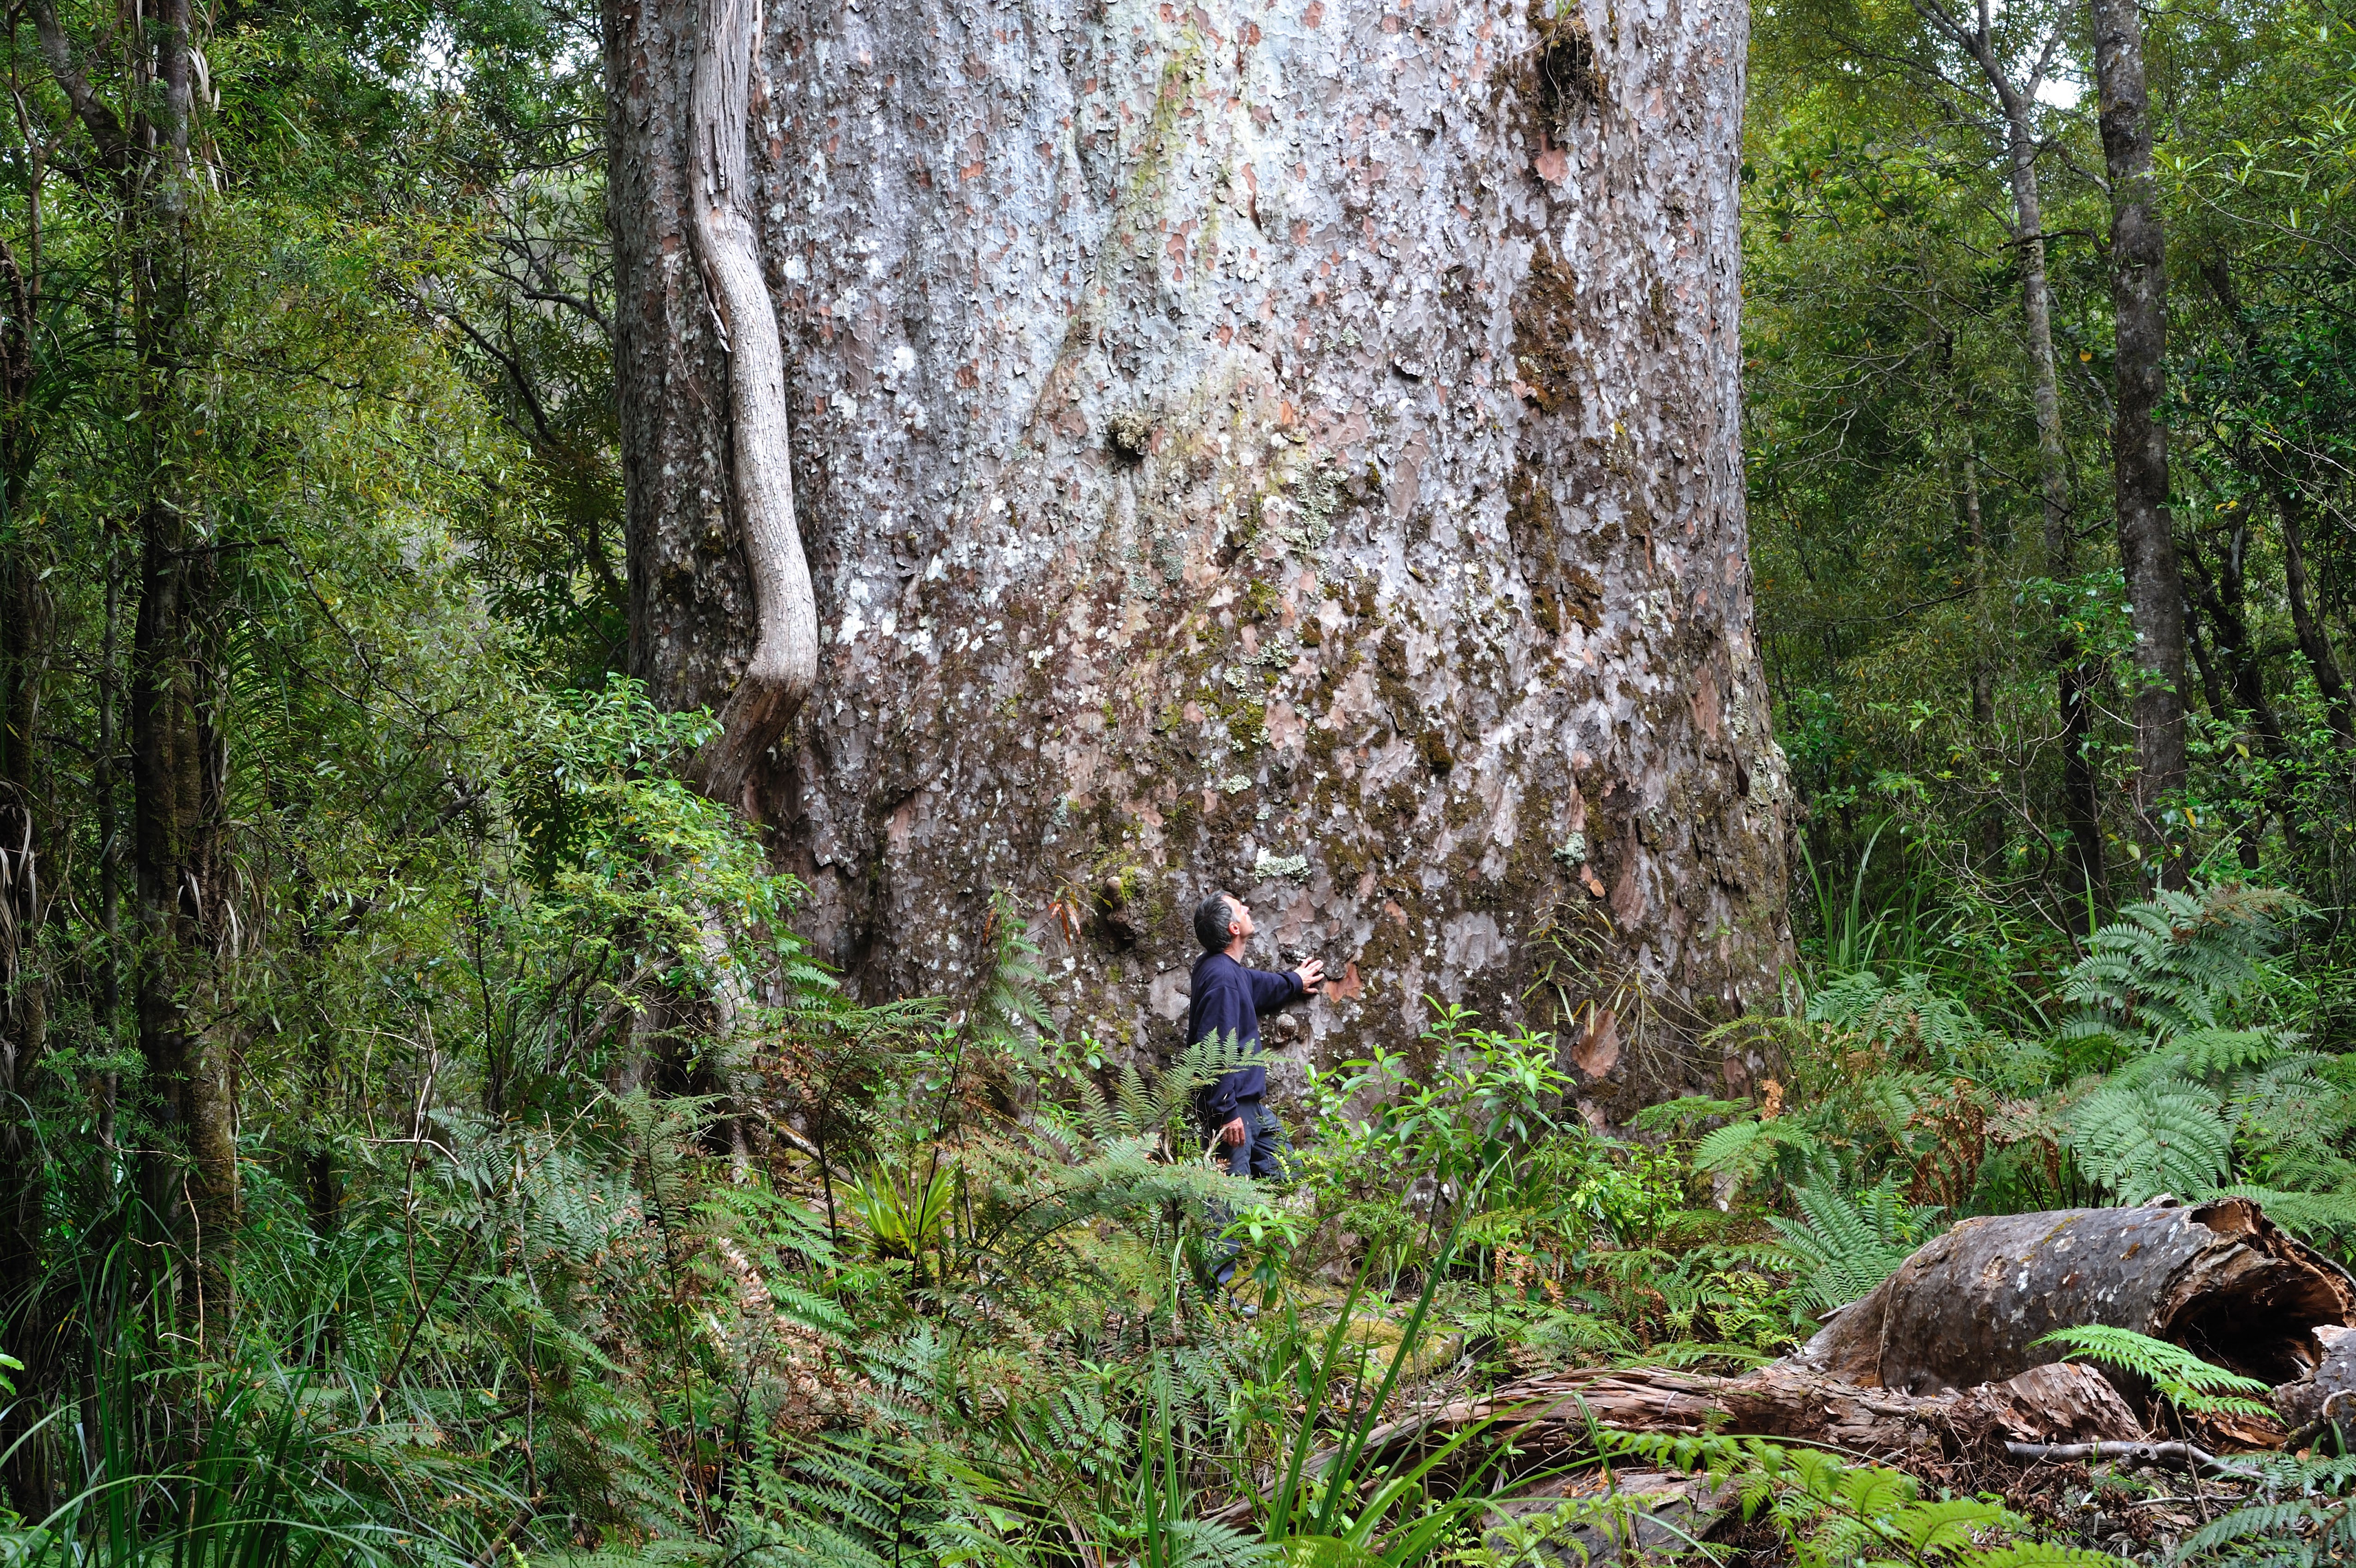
627	639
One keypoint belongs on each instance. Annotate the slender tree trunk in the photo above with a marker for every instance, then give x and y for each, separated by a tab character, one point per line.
2138	440
2075	675
2222	594
2290	506
105	785
1983	696
25	641
178	755
1243	446
24	869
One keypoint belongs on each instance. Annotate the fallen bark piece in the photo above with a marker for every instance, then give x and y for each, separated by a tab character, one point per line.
1969	1306
1600	1517
2062	1400
2176	1456
2326	1393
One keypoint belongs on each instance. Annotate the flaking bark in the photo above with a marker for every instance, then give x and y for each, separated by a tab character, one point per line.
1289	448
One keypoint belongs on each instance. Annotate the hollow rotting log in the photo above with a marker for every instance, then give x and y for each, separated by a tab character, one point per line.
1969	1306
1941	1362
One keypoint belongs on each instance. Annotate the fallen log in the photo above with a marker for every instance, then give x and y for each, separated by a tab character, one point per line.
1942	1358
1969	1306
1551	1415
2326	1394
1940	1361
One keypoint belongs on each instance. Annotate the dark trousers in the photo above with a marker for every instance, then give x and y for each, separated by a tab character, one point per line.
1264	1155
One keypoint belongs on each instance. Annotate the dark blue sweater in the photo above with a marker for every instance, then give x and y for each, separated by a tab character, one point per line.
1227	999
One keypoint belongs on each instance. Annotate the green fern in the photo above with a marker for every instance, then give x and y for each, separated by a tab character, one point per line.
2184	1379
1904	1019
2181	960
2316	1526
1849	1245
2138	1140
1137	1109
1745	1150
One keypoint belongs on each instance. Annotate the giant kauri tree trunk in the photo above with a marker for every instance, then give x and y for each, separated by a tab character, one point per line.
1290	448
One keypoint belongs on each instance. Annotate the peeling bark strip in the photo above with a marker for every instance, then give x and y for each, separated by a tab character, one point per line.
784	663
1289	446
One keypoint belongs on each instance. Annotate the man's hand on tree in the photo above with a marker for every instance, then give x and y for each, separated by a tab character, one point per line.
1313	975
1232	1134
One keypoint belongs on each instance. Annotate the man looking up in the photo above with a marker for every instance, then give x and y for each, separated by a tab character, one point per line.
1227	999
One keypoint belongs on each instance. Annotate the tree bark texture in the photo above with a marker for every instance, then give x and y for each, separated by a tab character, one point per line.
2147	533
1286	448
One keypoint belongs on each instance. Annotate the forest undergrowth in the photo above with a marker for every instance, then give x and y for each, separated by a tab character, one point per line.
425	1143
927	1283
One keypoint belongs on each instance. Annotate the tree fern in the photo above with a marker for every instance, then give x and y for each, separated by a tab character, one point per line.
2179	961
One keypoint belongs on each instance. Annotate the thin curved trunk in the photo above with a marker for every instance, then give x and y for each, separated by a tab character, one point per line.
721	228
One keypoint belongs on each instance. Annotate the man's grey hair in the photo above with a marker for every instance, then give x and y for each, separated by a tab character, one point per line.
1213	916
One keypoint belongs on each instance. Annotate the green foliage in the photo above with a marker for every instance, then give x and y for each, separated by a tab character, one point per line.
2137	1140
1850	1243
1830	1511
2181	960
2181	1378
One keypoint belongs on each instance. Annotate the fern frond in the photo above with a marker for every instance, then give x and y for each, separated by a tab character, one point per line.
2182	1377
1850	1245
2176	962
2140	1140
